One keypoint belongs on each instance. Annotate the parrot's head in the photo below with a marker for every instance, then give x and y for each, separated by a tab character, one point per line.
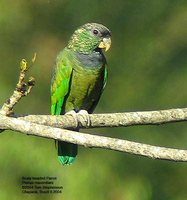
90	37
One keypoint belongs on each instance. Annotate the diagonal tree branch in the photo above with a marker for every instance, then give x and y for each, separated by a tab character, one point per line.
88	140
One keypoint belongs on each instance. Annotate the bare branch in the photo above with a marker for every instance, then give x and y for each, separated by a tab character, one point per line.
88	140
111	119
49	126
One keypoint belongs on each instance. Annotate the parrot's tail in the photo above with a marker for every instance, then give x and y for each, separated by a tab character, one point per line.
66	152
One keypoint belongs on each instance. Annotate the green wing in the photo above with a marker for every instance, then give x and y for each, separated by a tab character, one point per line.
60	84
105	77
60	87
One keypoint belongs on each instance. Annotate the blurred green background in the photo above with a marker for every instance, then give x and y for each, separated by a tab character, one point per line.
147	71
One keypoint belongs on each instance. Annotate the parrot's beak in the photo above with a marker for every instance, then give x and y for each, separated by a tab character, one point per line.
105	44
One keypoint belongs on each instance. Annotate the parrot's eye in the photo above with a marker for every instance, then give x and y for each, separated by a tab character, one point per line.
95	32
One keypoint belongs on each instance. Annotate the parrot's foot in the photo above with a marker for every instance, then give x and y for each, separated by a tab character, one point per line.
84	114
74	115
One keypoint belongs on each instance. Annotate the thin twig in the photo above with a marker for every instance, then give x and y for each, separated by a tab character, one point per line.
22	89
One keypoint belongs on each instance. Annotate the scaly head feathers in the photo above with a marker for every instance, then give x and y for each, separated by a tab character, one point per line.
90	37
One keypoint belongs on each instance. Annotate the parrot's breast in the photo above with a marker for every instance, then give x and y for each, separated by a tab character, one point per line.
86	82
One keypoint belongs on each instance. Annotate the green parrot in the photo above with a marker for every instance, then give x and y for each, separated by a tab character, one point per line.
79	77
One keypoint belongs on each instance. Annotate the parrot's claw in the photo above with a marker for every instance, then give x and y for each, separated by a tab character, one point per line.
74	115
84	114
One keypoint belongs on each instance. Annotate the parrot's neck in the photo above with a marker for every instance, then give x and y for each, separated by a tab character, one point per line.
94	60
